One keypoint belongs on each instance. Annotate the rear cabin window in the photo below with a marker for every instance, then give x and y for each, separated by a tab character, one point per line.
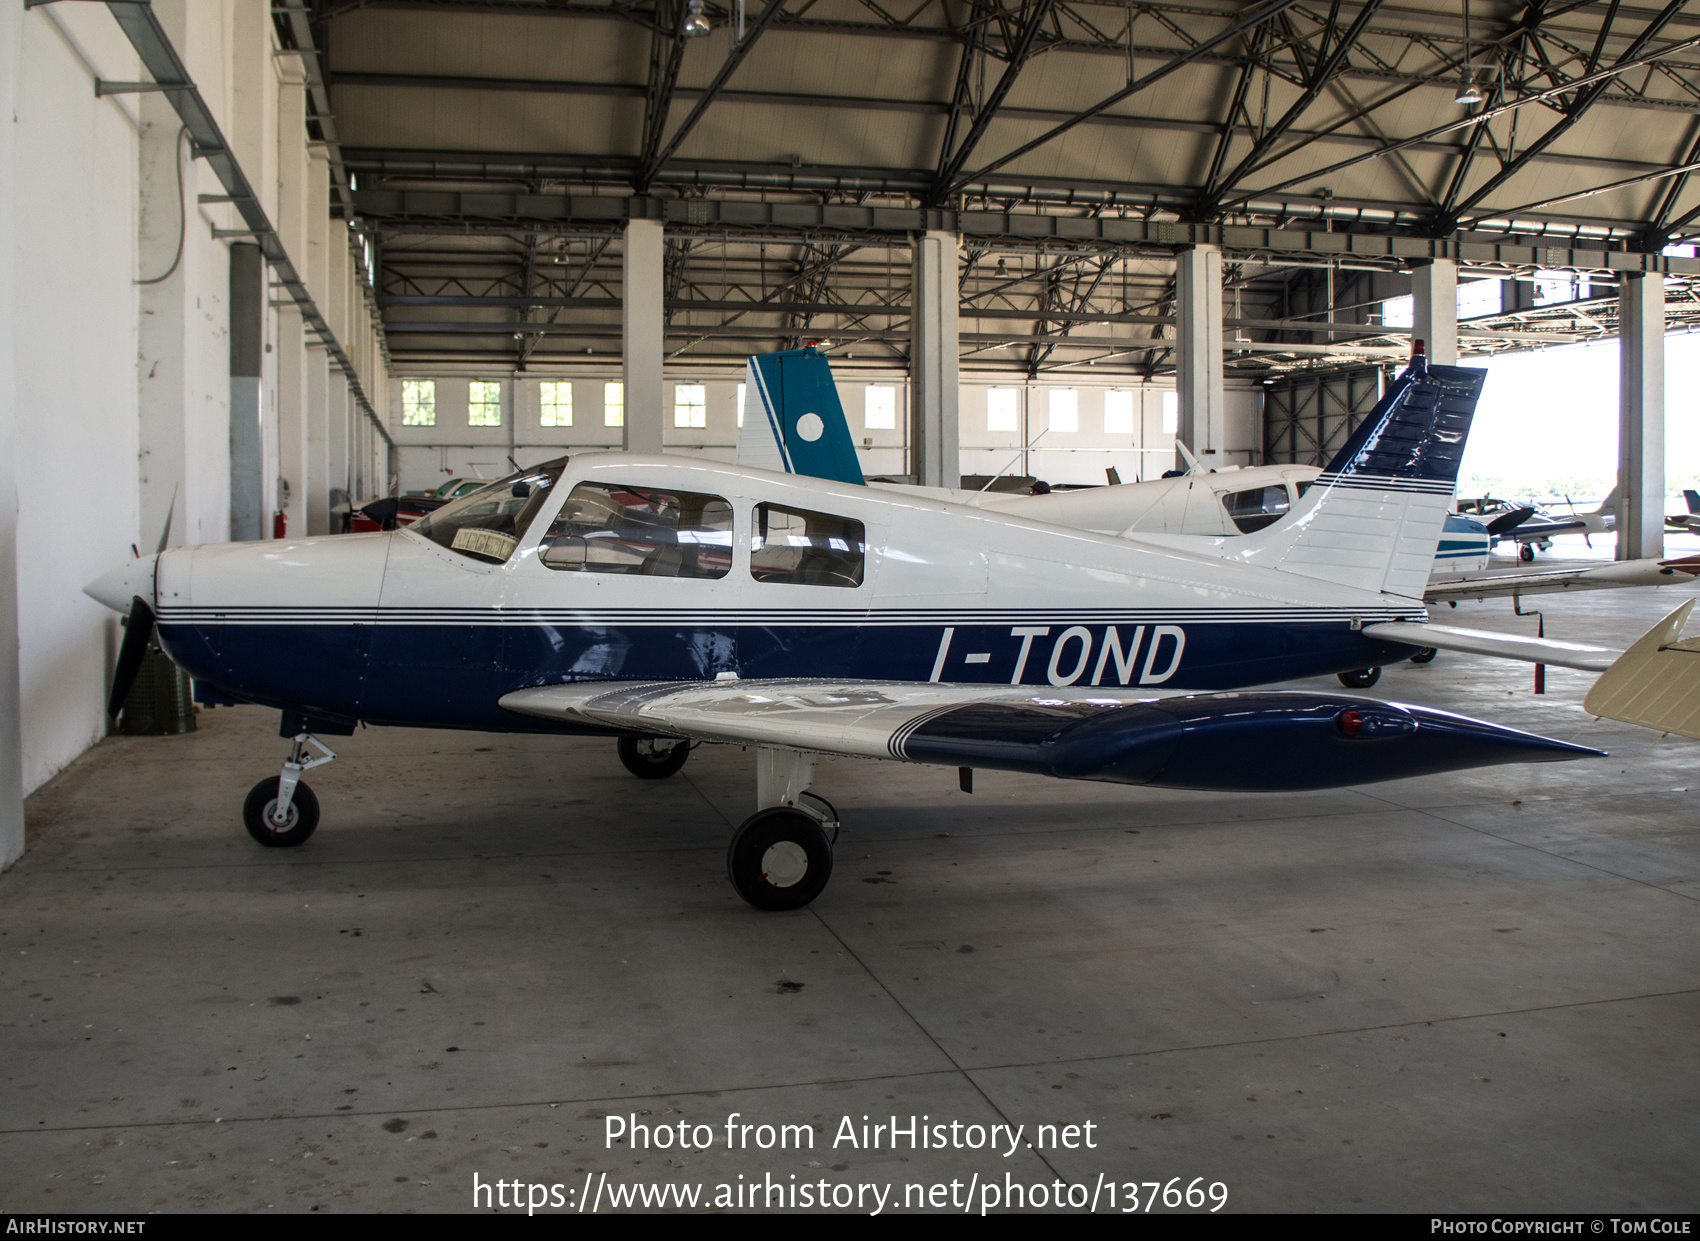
615	528
803	548
1256	508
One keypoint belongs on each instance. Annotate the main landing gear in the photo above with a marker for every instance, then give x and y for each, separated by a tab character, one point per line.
1361	679
781	856
653	758
281	811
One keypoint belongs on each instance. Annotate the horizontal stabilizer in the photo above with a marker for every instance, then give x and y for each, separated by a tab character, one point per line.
1501	645
1656	682
1248	742
1650	572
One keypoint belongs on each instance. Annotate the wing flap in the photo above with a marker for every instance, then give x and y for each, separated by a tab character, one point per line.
1656	682
1501	645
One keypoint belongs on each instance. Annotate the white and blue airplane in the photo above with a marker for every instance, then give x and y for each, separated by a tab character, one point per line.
666	601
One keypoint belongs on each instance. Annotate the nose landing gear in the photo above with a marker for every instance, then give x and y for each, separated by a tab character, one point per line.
282	811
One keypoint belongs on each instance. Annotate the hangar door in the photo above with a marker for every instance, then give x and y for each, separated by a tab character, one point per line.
1308	417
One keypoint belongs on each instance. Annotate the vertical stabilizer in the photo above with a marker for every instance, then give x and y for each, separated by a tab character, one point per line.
1373	519
793	419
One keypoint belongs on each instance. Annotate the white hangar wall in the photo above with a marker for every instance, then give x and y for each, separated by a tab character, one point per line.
454	448
116	395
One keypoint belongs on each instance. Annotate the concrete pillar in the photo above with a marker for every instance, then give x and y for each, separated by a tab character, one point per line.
339	411
317	466
935	420
1434	310
292	360
1202	423
247	332
1641	416
11	727
317	482
641	334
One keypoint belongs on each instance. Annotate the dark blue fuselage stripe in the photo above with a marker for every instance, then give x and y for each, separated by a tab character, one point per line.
451	676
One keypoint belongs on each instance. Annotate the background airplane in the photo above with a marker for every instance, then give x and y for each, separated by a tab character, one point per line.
803	429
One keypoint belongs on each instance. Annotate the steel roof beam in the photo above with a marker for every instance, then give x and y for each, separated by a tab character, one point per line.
1577	108
1018	52
1327	67
1251	21
651	167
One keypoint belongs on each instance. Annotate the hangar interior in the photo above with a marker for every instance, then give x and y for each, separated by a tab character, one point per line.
259	262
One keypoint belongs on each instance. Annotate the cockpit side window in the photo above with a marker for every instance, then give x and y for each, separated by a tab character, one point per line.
488	524
617	528
1256	507
804	548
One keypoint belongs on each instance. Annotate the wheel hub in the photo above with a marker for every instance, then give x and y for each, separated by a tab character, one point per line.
784	864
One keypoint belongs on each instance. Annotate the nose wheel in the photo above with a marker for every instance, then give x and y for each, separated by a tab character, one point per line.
281	811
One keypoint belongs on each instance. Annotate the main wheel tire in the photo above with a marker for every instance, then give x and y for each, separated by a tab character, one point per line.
779	859
257	815
1526	553
653	758
1362	679
1426	655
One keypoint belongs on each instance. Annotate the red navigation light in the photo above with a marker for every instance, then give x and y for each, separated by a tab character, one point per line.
1351	722
1416	348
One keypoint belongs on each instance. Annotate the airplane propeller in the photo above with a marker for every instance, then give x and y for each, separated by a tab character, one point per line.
138	632
1506	522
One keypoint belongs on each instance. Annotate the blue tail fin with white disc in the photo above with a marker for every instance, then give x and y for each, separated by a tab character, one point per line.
793	419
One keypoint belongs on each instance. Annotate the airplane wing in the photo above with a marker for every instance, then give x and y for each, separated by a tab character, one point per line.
1501	645
1277	740
1649	572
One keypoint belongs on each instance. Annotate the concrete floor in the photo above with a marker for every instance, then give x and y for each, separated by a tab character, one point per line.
1478	992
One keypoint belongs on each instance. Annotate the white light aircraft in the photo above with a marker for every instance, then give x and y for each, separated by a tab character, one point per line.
666	601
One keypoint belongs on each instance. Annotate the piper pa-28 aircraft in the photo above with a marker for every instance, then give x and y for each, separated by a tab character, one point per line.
666	601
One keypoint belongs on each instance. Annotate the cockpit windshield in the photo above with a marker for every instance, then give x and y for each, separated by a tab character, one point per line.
488	524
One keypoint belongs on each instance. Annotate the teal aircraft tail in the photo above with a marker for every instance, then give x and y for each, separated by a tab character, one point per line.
793	419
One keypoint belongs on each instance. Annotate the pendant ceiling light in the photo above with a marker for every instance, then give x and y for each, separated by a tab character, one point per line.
696	25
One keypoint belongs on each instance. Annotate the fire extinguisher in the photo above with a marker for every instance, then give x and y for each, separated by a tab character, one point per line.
280	525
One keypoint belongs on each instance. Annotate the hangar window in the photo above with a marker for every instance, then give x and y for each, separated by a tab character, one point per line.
1171	413
1118	412
690	405
879	410
419	402
615	528
488	524
614	405
484	404
1000	409
557	403
803	548
740	404
1065	409
1256	508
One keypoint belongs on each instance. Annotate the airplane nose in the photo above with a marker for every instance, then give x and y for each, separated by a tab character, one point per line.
117	588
